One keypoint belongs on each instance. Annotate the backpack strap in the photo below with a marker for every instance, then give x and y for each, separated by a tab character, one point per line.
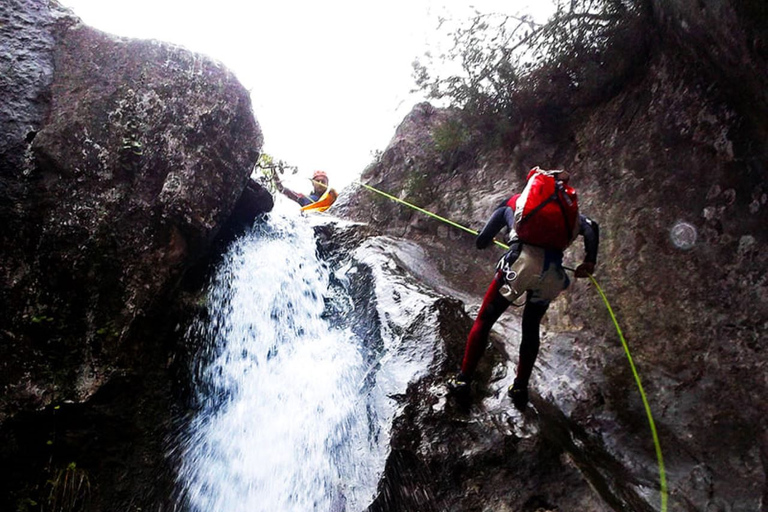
559	188
541	205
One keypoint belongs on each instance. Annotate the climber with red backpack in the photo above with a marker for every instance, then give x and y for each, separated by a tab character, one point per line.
543	221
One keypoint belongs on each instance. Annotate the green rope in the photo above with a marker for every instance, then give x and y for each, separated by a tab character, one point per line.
422	210
657	445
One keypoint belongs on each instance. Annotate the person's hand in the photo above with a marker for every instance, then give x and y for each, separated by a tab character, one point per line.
277	182
585	269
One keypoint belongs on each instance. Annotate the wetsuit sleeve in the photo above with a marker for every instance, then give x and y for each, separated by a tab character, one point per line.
501	217
590	230
295	196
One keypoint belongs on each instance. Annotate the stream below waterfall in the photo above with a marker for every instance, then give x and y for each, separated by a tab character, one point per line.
289	413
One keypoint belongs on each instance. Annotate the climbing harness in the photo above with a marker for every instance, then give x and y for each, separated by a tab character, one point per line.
527	268
646	405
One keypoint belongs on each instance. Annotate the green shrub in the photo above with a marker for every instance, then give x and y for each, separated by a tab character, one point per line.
450	136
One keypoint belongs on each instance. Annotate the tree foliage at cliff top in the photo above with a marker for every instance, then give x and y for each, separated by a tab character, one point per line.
493	57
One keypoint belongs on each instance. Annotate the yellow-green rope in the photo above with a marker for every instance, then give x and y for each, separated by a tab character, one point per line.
422	210
657	444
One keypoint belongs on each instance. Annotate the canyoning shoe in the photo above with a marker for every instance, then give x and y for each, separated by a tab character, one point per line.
519	395
458	385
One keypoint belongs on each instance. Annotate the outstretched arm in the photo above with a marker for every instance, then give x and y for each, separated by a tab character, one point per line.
501	217
290	194
299	198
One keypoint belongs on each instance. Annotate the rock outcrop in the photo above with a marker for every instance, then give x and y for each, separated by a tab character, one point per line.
442	457
672	164
120	160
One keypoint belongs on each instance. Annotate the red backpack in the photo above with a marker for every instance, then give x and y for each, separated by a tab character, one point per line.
547	211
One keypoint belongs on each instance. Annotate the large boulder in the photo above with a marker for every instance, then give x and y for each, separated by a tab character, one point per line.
120	160
124	160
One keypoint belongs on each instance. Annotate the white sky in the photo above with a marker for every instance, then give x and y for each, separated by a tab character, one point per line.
330	80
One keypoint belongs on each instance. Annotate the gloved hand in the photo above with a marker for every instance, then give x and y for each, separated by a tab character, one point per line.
585	269
512	253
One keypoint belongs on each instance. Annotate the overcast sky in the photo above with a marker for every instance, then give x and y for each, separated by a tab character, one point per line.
329	80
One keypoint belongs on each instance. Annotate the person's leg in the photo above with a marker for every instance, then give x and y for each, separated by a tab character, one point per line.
529	345
529	349
494	304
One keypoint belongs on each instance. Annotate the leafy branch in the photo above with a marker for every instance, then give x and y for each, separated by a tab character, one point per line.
494	55
269	170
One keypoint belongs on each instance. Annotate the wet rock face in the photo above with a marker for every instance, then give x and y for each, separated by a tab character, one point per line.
673	167
444	456
682	269
450	456
120	160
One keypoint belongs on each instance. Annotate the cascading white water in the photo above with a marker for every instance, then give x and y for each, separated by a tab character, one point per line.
283	423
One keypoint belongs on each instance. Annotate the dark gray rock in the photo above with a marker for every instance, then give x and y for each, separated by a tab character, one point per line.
413	168
254	201
120	161
141	151
729	39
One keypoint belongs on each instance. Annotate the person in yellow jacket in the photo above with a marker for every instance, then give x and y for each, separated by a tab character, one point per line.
320	199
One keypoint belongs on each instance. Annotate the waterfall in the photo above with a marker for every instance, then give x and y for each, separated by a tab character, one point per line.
283	421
